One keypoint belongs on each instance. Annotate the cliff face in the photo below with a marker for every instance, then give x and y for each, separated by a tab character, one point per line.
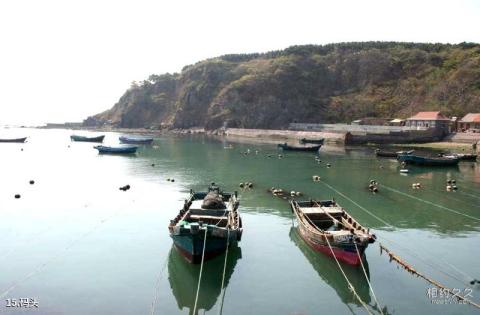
332	83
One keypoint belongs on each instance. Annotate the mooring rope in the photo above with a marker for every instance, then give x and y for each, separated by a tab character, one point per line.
359	206
201	270
467	194
350	285
368	280
411	270
157	283
224	272
59	255
433	265
430	203
406	249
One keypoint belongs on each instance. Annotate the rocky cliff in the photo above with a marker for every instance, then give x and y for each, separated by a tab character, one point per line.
330	83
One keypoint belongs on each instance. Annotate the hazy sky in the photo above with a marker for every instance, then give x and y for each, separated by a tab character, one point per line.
65	60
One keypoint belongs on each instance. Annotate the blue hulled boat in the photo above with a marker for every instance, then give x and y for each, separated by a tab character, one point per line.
428	161
212	215
116	150
135	140
86	139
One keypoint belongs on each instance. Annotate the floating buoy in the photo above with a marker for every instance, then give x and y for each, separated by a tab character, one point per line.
17	196
168	179
449	188
454	187
328	164
172	180
316	178
449	181
292	193
32	182
153	164
298	194
241	185
249	185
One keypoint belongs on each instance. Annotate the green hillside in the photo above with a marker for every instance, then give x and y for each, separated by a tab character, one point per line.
330	83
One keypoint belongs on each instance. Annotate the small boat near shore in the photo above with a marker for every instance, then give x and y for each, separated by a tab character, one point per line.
77	138
213	215
461	156
135	140
13	140
428	161
391	154
312	141
319	221
306	148
116	150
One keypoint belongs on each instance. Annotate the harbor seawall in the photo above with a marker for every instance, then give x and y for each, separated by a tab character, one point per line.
330	137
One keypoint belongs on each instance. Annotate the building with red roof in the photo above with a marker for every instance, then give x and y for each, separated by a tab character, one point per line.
430	120
470	121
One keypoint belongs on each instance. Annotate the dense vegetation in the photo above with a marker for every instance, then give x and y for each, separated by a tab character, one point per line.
329	83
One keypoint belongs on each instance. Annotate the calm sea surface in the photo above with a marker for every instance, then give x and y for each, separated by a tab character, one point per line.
79	245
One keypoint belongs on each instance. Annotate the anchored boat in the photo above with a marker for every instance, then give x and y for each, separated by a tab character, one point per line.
312	141
428	161
135	140
461	156
328	228
311	148
14	140
391	154
86	139
116	150
208	218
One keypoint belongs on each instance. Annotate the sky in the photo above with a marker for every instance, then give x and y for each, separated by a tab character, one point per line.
67	60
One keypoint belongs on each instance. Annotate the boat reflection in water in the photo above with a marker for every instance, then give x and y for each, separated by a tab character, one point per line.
183	278
328	270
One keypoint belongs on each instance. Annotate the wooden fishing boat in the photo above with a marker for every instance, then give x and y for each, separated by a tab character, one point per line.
390	154
319	221
135	140
311	148
428	161
212	214
383	153
116	150
312	141
86	139
13	140
461	156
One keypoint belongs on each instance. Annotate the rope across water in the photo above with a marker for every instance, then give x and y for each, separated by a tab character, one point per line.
201	271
